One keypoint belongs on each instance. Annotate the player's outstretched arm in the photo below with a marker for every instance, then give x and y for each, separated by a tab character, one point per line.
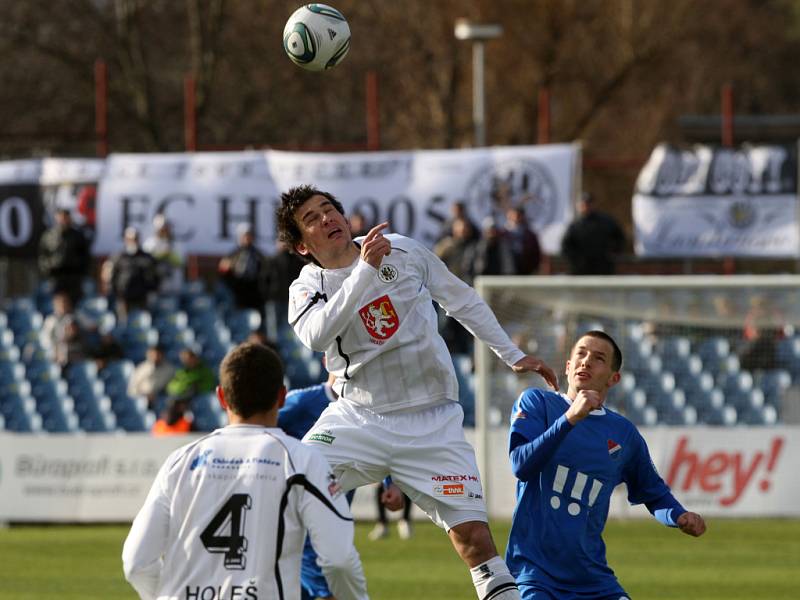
531	364
691	524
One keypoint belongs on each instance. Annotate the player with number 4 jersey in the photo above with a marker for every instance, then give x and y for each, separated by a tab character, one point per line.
227	515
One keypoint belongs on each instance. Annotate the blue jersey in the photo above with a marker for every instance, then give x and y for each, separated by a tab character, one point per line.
299	413
566	475
302	409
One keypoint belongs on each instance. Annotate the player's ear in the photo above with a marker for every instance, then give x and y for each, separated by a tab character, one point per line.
281	397
221	398
566	369
301	249
614	379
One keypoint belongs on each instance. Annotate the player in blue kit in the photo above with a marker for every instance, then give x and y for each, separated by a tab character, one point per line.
569	452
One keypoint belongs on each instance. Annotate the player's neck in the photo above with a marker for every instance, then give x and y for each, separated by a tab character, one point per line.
264	419
342	259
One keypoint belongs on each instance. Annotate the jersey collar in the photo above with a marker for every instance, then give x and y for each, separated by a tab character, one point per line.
596	411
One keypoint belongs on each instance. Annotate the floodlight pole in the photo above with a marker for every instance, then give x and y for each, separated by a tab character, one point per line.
478	34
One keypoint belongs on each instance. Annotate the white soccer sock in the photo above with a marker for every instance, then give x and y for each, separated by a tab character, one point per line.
493	581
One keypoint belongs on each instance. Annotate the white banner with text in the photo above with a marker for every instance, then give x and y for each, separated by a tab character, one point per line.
206	195
718	202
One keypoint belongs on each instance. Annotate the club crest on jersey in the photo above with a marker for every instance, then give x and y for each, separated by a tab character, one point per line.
387	273
613	449
380	319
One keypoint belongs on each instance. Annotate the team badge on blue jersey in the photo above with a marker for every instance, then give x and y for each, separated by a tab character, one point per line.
613	449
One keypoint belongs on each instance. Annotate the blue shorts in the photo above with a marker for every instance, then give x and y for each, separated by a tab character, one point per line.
528	591
312	581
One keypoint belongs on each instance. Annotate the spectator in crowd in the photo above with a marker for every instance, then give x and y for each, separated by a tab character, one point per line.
358	224
175	419
492	254
71	346
54	324
193	378
64	258
457	249
130	276
524	242
763	328
592	241
283	268
244	271
170	261
151	376
458	211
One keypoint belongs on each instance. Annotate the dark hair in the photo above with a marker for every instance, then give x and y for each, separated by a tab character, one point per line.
288	230
251	375
616	359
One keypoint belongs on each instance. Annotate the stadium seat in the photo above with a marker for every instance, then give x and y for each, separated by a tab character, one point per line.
84	372
7	338
10	352
11	371
712	351
242	323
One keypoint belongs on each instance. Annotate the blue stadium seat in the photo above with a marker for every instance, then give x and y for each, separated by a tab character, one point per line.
6	338
83	372
242	323
11	371
712	351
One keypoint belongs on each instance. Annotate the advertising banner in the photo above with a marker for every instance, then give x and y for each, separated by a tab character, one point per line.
715	202
717	472
206	195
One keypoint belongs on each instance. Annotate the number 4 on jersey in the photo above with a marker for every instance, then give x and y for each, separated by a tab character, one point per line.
230	519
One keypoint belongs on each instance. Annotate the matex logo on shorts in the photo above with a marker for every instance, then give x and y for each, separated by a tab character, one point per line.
380	319
449	489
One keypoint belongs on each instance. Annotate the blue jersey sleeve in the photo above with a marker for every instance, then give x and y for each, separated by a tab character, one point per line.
645	486
532	439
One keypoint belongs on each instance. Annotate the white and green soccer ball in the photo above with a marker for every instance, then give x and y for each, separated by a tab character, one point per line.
316	37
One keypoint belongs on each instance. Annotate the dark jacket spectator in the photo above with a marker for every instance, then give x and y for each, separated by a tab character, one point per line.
131	276
283	268
457	249
72	346
492	253
524	243
64	256
244	271
458	211
592	241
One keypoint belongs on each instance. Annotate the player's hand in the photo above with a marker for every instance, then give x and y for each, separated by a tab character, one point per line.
528	364
392	498
374	246
585	402
691	524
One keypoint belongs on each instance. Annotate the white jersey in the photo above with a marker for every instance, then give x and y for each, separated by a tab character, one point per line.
226	519
379	329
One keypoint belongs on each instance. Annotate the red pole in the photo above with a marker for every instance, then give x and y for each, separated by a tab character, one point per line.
543	117
727	115
373	112
728	263
189	114
101	107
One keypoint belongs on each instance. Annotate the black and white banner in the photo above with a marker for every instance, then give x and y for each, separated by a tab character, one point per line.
206	195
31	190
714	202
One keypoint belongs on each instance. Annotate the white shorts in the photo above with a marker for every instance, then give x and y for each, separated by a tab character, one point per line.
424	451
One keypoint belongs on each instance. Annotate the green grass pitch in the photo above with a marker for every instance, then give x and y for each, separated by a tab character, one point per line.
735	560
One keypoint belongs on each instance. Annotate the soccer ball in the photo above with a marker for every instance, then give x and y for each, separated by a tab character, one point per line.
316	37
